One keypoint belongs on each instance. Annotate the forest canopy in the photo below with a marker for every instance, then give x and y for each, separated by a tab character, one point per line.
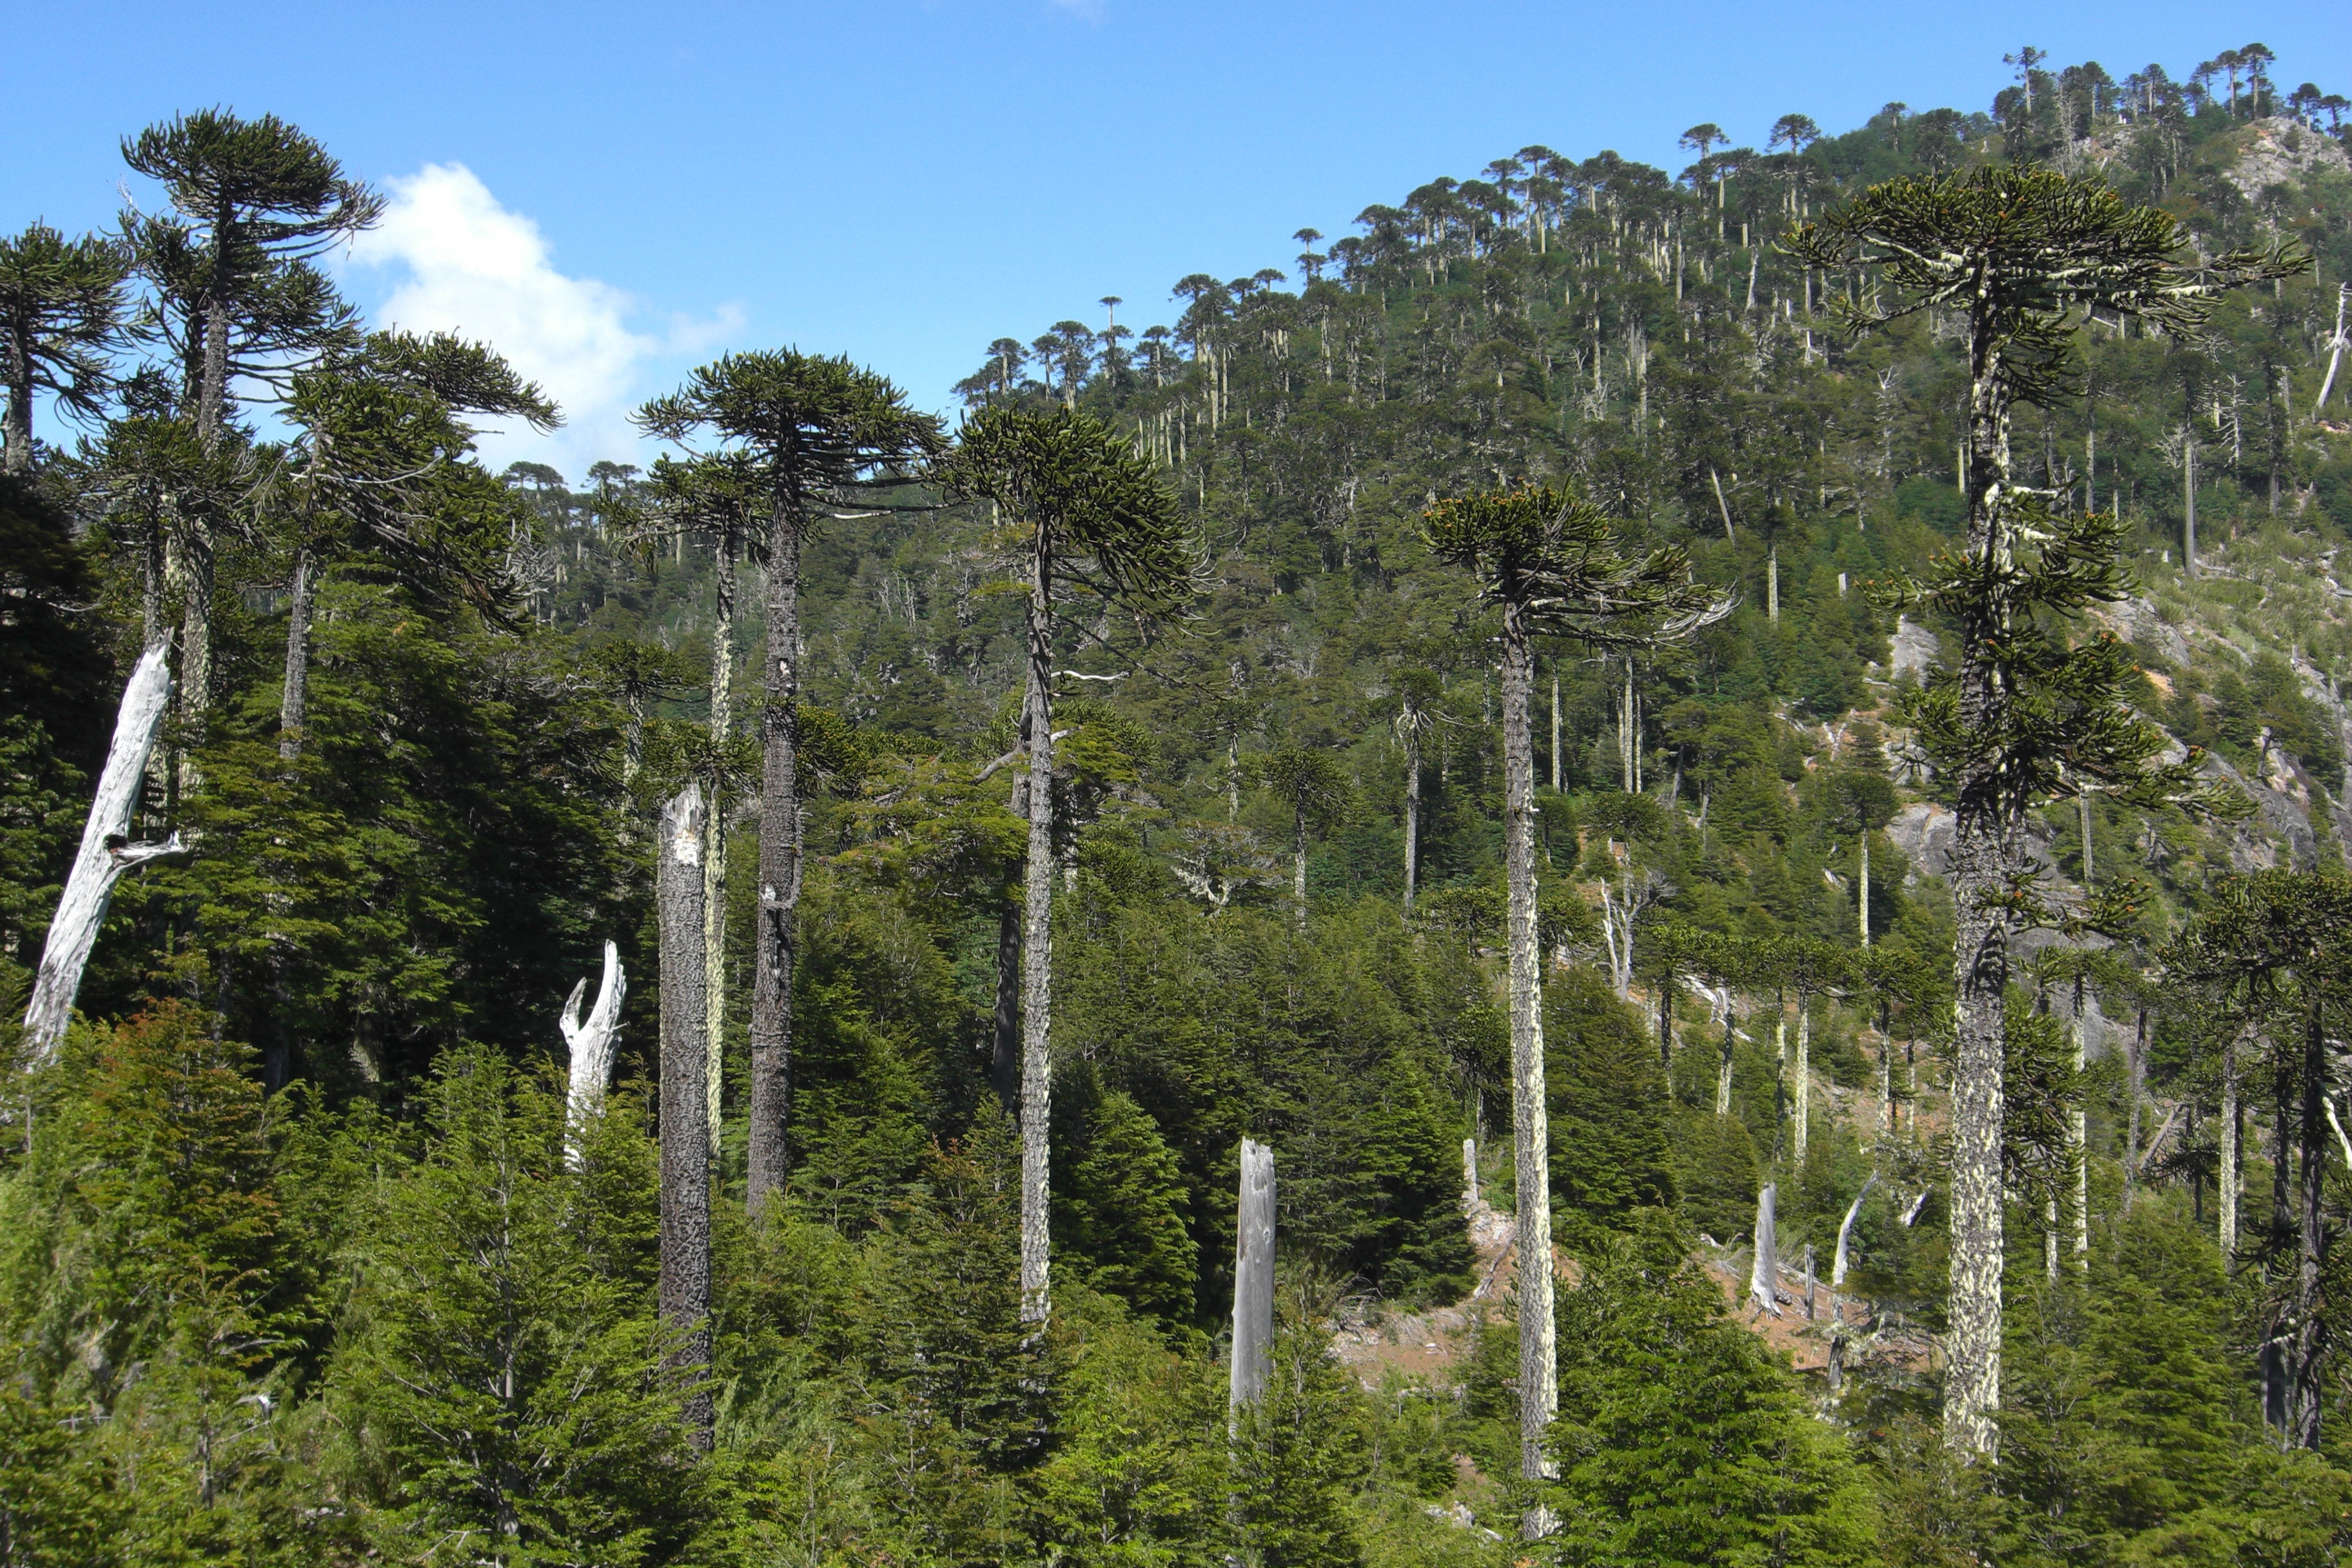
710	1010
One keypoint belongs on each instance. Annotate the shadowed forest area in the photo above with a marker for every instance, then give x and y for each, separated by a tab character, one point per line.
1783	719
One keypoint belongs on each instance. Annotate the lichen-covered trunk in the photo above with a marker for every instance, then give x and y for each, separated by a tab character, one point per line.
1298	867
715	834
198	569
16	448
2230	1198
1804	1107
2307	1342
1412	808
293	699
1539	1356
1037	954
773	944
684	1292
1983	852
2078	1137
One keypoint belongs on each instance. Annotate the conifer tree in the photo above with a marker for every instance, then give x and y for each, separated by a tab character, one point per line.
812	431
1086	515
1550	561
715	497
375	468
254	204
2271	957
2022	255
1314	788
61	304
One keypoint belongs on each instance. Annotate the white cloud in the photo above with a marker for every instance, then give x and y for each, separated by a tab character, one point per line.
476	267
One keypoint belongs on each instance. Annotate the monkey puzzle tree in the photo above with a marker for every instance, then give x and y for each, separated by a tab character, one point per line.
1314	787
254	203
2022	255
718	497
809	430
1550	563
61	305
375	470
1086	515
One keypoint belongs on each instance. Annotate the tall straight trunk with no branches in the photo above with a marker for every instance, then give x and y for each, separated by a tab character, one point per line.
293	696
1411	727
774	943
1538	1349
2230	1198
1037	949
685	1285
714	849
2306	1394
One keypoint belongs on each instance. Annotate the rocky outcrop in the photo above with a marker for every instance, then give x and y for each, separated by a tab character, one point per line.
2278	152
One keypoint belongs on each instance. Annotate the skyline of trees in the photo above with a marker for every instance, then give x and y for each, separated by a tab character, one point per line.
1205	640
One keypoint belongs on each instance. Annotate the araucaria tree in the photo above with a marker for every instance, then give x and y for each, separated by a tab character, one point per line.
1550	563
253	203
811	431
2021	256
1088	517
1314	786
61	305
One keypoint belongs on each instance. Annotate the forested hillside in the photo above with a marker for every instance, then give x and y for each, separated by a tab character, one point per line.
327	1237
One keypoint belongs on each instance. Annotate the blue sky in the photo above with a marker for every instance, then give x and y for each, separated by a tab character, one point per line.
612	193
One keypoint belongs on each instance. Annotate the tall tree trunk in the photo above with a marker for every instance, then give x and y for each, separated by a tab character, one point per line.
1253	1279
1299	865
714	849
1804	1072
1984	852
1555	732
104	856
2228	1152
685	1287
293	699
195	643
16	448
774	942
2307	1347
1411	811
2078	1139
2188	499
1764	1263
1037	954
1861	905
1723	1067
212	386
1539	1356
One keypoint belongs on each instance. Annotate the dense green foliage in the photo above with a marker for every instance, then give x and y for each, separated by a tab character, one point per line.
293	1268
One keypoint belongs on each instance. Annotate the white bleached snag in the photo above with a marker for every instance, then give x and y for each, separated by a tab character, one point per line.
1763	1290
1252	1278
1845	1235
591	1044
106	853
